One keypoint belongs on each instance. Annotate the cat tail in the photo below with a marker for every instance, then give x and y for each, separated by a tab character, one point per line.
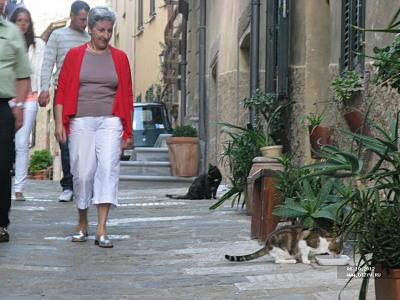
263	251
177	196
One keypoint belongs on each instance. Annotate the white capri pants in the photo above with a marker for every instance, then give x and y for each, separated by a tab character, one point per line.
22	145
95	151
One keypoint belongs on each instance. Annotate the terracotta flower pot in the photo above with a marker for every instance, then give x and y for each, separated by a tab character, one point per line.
38	175
319	135
184	156
355	121
387	286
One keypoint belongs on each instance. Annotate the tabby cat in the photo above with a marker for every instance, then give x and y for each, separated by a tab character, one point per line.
204	186
293	243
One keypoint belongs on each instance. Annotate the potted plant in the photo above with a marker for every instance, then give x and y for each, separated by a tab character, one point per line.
348	88
268	121
183	150
40	164
319	135
237	156
374	218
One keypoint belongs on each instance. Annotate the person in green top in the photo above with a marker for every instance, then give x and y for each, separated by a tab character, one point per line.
15	74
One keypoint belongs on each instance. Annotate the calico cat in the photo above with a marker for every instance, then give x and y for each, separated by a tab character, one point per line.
293	243
204	186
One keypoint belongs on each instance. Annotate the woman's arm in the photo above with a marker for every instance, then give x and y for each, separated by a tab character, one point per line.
60	132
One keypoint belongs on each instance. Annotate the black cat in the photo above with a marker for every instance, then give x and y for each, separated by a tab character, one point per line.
203	187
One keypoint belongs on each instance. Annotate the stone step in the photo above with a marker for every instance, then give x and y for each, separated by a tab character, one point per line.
150	154
155	178
145	168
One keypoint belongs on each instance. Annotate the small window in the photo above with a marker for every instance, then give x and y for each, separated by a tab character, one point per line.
140	15
352	39
152	11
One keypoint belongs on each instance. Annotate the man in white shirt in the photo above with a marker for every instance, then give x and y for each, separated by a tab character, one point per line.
58	45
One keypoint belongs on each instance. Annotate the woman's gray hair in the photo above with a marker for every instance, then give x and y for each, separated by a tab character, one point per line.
100	13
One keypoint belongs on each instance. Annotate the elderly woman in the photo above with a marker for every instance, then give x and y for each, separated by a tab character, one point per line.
94	107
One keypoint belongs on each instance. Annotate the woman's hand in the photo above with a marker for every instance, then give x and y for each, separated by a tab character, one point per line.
60	134
19	117
127	144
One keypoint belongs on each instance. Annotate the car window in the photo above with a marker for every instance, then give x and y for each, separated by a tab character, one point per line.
148	117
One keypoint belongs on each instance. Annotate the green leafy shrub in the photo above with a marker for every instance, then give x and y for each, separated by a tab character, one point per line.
387	62
346	85
289	180
184	131
40	160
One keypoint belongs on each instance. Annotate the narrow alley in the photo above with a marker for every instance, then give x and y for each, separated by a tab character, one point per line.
163	249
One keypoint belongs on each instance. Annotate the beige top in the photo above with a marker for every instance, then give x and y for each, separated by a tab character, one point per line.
97	85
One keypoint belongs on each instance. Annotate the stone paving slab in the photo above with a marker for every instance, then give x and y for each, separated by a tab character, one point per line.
164	249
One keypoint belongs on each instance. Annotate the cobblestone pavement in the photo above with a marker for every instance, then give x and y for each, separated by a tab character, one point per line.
164	249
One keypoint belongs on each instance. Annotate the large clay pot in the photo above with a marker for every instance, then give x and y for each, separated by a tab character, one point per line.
272	151
387	286
319	135
184	156
355	121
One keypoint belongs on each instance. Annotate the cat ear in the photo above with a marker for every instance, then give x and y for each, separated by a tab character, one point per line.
210	166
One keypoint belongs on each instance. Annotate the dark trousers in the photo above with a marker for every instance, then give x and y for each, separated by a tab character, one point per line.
66	181
6	160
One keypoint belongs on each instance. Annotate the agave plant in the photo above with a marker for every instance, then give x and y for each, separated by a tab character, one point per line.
373	195
317	206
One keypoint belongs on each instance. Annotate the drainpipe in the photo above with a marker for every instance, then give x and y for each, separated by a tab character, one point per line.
254	53
184	10
202	86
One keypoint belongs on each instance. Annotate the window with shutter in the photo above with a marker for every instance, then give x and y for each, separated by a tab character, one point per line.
352	39
152	11
277	58
140	15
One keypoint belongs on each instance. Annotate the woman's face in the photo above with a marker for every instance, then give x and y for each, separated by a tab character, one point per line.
23	22
101	34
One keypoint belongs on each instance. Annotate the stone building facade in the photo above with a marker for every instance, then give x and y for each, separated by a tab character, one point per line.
314	50
139	31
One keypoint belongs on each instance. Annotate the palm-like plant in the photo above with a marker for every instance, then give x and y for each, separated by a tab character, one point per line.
269	117
318	205
238	154
393	26
373	194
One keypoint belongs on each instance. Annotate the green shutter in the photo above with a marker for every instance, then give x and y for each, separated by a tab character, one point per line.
352	40
270	62
283	47
277	48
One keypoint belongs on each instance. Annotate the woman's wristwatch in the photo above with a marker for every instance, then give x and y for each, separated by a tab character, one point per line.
19	104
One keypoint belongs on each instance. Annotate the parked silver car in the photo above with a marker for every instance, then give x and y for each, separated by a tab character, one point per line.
149	121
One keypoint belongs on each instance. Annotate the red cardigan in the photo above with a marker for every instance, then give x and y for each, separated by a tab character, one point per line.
68	87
